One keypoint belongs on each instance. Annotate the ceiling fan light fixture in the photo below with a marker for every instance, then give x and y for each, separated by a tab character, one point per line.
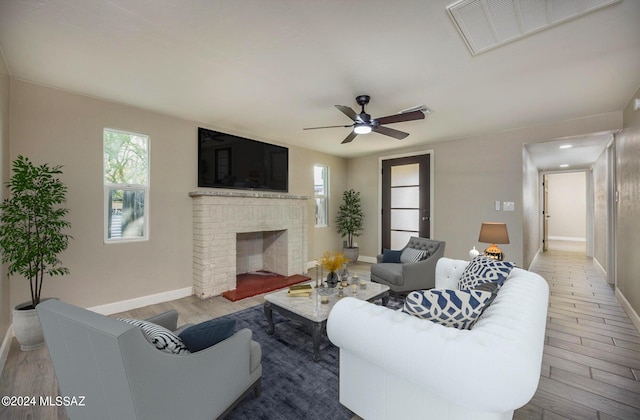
362	129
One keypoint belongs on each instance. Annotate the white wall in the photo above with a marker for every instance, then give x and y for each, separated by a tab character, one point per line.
568	206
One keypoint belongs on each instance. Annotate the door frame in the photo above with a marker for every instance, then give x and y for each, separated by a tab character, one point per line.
431	188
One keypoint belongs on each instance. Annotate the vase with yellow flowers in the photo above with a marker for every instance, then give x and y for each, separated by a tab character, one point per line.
332	262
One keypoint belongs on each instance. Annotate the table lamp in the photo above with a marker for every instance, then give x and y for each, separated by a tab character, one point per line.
494	233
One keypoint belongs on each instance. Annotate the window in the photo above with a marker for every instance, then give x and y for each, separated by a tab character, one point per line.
321	193
126	186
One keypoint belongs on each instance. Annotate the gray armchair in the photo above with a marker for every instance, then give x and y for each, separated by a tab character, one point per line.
406	277
123	376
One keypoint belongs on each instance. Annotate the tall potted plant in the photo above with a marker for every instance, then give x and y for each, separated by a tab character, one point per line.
349	222
31	237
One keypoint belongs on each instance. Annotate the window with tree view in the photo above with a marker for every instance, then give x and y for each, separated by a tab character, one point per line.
126	185
321	193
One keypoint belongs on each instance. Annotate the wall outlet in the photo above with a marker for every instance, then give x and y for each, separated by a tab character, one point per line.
508	206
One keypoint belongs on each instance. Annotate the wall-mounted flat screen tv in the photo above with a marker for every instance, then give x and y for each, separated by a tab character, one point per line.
227	161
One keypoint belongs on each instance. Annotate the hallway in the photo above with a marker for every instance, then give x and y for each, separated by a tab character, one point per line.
591	362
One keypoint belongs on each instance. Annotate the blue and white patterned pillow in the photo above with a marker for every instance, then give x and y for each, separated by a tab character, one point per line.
483	270
411	255
451	308
160	337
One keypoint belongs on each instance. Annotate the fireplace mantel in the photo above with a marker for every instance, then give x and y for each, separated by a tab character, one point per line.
276	196
219	216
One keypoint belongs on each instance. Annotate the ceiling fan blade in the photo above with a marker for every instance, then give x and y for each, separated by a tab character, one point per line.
328	126
347	111
350	137
407	116
396	134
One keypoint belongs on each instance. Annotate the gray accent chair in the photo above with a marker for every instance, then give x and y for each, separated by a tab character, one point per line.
123	376
403	278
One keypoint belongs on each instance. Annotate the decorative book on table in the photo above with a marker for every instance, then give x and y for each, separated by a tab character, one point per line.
300	290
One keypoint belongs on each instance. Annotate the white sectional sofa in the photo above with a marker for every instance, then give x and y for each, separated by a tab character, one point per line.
396	366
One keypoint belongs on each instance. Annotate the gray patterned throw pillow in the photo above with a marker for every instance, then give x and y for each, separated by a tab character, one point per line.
411	255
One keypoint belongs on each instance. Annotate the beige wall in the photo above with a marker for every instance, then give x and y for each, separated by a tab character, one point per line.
470	175
600	210
531	209
628	209
5	311
58	127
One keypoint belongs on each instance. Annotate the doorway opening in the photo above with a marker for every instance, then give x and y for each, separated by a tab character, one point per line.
565	211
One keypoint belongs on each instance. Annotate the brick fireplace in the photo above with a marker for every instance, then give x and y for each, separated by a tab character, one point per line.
267	232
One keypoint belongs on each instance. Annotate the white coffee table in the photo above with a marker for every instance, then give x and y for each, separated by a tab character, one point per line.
311	312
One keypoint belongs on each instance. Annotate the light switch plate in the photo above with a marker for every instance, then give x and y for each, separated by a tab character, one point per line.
508	206
497	205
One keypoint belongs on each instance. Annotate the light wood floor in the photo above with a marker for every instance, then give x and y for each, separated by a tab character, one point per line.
591	363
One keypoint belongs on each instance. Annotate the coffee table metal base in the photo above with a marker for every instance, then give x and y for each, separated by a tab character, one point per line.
317	328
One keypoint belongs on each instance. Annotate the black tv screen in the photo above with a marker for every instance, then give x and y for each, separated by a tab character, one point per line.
227	161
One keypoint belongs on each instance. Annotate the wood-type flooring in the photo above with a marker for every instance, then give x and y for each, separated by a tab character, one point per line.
590	367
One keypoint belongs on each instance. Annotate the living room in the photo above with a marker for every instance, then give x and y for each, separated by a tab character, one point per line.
471	170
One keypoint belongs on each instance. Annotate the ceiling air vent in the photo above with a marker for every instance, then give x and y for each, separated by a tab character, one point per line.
487	24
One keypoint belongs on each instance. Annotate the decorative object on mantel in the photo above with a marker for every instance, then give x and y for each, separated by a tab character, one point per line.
349	222
494	233
31	238
473	253
332	263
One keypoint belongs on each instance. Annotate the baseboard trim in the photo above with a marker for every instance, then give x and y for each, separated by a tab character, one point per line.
139	302
599	266
633	315
370	260
567	238
535	259
4	349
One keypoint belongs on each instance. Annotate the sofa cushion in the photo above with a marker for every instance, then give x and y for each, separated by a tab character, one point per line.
391	256
390	272
451	308
411	255
206	334
160	337
483	270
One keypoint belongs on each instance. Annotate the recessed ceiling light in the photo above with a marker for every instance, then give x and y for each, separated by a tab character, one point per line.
564	165
566	146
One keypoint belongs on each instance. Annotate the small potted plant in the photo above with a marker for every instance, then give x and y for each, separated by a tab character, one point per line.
349	222
332	263
31	237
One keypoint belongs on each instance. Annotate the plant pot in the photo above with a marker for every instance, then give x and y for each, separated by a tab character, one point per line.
26	327
351	253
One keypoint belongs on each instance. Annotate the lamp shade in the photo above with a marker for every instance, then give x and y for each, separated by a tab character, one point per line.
493	233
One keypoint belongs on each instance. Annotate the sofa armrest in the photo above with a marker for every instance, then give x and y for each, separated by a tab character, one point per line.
495	367
422	274
168	320
176	386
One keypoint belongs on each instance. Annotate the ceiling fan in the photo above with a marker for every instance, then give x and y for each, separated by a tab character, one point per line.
364	124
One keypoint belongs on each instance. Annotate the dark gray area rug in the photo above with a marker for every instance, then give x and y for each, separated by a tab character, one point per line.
293	385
